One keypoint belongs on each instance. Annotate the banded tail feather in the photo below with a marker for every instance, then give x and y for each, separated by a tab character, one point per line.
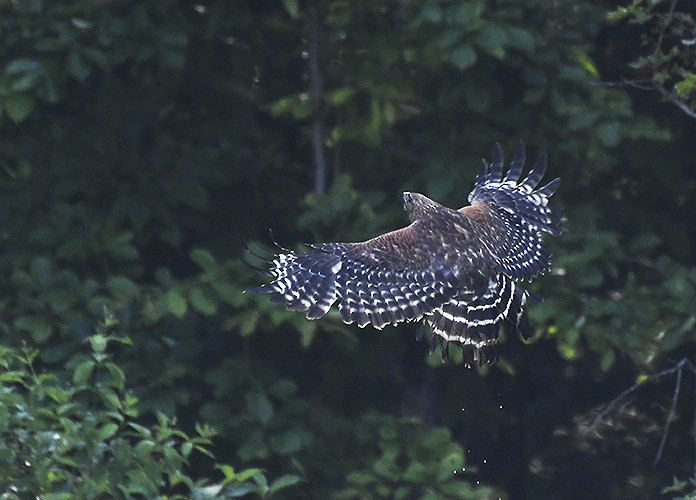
473	323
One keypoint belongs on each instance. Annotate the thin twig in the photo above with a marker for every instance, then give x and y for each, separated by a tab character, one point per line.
678	103
670	417
683	364
651	86
624	82
668	18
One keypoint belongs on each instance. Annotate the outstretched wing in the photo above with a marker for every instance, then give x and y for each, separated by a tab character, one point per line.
398	276
519	213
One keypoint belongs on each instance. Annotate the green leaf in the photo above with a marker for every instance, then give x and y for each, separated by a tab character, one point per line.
339	96
284	481
19	66
142	430
202	302
259	407
286	443
203	258
609	133
492	38
4	418
591	278
685	87
227	471
297	106
463	57
228	292
144	448
98	343
283	389
81	24
617	15
111	397
37	327
19	106
60	301
122	288
176	303
50	44
588	64
360	477
386	468
186	448
77	67
569	352
118	377
292	7
25	82
83	371
253	447
582	119
432	14
645	242
416	472
248	474
453	461
107	431
41	270
520	39
607	359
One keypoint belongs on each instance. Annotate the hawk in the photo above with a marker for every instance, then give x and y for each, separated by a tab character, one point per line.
457	270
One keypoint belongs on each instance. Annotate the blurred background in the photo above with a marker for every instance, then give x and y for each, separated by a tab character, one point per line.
145	144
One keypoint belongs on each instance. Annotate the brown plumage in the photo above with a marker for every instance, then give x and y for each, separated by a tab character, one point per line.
455	269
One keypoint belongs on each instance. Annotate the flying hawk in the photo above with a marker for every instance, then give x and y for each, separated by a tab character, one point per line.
457	270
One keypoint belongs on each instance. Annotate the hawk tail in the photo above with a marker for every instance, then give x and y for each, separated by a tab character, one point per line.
472	322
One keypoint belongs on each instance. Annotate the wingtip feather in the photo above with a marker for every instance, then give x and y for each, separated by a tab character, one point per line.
517	163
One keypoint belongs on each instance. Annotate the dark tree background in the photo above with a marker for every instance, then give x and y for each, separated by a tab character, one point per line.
144	144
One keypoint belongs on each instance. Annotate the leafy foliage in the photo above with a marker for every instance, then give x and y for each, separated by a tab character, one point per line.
410	463
84	438
666	62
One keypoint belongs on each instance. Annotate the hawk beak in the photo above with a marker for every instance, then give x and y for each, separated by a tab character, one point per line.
406	195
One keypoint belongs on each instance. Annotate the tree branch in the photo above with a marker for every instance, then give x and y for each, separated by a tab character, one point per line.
652	86
670	416
682	365
660	38
316	89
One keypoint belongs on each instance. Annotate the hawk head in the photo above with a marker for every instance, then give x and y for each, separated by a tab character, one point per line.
419	206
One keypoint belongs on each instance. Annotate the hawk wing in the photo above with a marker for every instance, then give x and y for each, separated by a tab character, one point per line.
398	276
519	213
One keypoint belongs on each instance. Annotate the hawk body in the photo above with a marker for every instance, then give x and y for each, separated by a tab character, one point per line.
455	269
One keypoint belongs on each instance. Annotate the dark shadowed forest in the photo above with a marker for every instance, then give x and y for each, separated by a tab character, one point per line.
147	146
